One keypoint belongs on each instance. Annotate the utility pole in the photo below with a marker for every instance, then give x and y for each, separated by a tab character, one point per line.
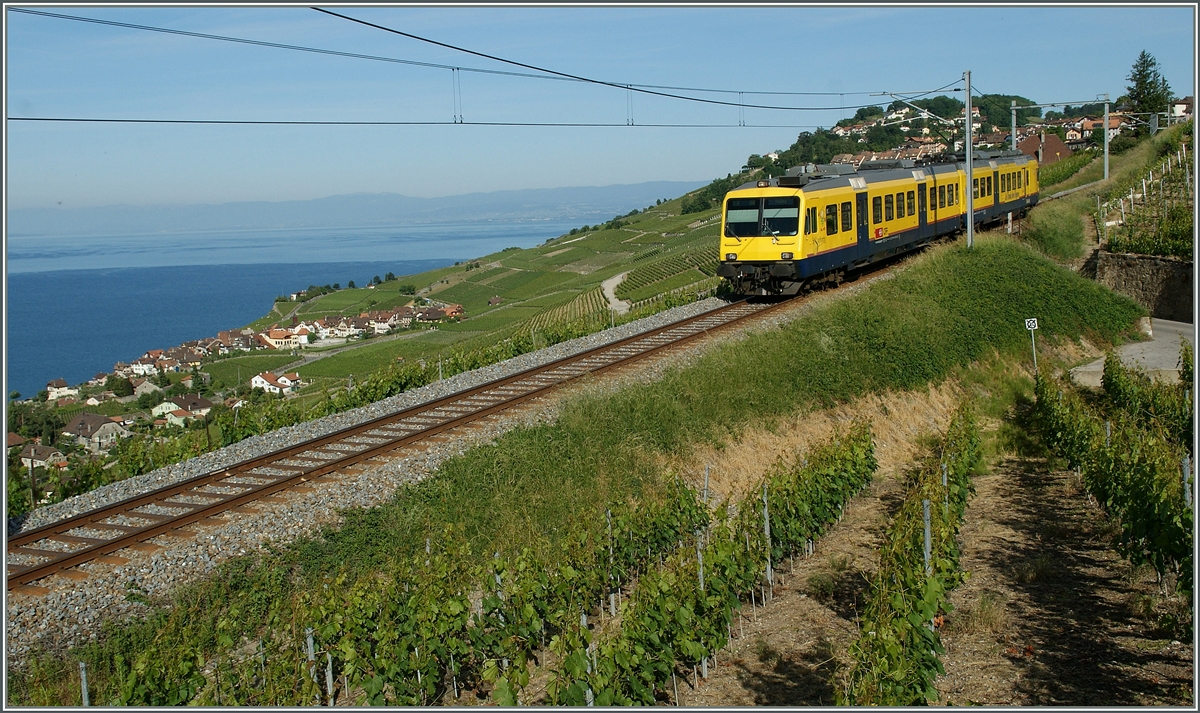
970	192
1106	137
1014	125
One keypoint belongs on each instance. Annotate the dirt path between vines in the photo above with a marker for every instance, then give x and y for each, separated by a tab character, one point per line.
1051	614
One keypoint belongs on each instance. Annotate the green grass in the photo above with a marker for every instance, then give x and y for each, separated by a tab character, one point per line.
375	355
1057	228
227	371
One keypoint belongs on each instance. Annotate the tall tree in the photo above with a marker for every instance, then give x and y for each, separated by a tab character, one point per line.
1148	90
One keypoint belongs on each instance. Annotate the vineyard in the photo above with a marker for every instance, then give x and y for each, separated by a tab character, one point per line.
1131	449
1152	214
1060	171
668	273
401	619
430	627
589	305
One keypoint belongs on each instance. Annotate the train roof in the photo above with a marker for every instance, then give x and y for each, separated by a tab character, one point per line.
837	175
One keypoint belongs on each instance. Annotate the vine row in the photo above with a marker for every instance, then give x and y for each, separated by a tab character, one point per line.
895	659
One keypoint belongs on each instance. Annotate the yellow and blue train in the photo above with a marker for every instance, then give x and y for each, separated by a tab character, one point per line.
815	223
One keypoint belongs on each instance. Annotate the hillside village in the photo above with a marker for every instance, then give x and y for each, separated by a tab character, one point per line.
94	434
1038	138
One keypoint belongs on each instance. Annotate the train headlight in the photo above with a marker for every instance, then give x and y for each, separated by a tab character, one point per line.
731	256
785	256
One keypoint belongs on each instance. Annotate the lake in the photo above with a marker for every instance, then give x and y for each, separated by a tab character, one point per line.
76	306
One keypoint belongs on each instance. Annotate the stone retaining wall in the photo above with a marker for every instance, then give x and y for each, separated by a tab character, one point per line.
1160	284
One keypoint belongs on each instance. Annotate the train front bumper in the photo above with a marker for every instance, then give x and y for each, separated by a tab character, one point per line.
758	270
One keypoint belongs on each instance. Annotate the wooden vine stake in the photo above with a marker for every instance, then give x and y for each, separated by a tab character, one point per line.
928	542
1187	481
612	594
767	532
83	682
329	677
312	658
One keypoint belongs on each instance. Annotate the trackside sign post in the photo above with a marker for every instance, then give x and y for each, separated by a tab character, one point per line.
1031	325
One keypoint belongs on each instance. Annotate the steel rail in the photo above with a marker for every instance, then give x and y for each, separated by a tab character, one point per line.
365	441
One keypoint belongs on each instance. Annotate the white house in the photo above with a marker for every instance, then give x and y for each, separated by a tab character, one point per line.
271	384
58	389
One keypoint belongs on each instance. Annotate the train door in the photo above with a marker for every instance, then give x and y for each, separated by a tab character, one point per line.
922	221
994	201
864	226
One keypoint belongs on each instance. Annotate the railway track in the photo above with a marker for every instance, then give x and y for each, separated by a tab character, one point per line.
98	534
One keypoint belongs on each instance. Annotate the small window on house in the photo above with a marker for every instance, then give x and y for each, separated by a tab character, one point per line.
900	205
941	196
889	207
876	210
847	217
831	219
912	203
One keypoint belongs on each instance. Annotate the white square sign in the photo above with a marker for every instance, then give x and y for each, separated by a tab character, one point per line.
1031	324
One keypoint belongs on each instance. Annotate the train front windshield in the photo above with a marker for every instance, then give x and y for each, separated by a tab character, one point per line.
757	217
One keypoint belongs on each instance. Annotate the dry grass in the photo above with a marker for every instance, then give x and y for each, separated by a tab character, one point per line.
1037	569
988	615
739	466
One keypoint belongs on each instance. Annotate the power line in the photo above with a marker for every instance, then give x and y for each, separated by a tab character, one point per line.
394	60
100	120
628	87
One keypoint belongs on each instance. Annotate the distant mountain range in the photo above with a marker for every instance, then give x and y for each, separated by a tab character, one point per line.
588	203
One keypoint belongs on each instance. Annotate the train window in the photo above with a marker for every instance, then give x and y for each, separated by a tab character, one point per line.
975	187
831	219
781	215
847	217
941	196
933	197
950	194
988	183
912	203
889	207
921	198
741	217
876	210
899	205
1019	184
1007	182
810	221
750	217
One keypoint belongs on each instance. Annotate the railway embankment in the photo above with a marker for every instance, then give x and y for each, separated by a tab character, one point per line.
544	488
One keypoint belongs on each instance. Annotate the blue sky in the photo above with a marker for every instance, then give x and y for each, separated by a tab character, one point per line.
61	68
